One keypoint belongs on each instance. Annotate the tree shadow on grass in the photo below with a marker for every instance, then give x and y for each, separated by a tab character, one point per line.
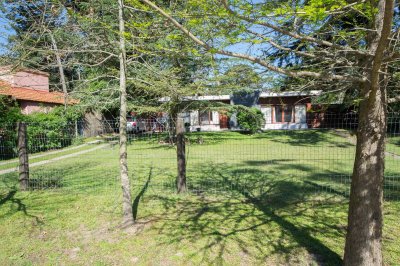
136	201
255	216
284	194
16	204
309	137
76	177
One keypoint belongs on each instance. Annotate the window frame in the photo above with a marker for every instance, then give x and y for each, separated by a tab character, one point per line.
293	114
210	118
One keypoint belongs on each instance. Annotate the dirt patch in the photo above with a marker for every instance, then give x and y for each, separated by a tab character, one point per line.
73	253
139	226
86	236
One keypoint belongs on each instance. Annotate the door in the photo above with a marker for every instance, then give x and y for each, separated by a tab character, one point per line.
223	121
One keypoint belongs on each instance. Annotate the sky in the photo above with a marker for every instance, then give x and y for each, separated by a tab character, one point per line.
5	32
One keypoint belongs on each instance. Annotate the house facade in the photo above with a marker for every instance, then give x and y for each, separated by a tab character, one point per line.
286	110
30	88
207	120
281	110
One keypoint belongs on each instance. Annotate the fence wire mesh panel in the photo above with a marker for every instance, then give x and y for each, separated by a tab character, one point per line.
313	159
316	159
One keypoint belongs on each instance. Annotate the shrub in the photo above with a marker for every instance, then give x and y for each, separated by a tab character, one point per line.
250	119
9	115
53	130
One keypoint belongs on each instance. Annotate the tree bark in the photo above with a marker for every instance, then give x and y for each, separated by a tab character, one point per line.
181	156
365	219
23	156
123	155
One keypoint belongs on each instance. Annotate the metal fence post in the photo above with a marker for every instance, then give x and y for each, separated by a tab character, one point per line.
23	156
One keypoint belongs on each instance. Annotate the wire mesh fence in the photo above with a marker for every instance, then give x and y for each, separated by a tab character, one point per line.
313	158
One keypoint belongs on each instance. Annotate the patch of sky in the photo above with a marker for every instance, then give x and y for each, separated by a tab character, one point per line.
5	32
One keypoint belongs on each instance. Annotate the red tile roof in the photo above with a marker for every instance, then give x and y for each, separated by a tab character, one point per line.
29	94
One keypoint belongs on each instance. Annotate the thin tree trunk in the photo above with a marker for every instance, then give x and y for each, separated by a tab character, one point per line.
123	157
23	156
181	156
60	70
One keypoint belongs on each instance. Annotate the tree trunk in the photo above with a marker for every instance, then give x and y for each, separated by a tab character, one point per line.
123	157
60	70
181	155
23	156
365	219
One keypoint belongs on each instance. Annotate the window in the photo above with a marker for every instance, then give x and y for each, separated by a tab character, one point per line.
206	117
283	113
300	114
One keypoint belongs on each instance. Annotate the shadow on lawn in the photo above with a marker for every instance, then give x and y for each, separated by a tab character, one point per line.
76	177
260	214
194	139
309	137
305	138
16	204
136	201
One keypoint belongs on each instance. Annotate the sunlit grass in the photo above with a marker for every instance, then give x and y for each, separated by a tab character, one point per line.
274	198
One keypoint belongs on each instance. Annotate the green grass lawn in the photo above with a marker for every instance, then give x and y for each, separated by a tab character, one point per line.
42	156
274	198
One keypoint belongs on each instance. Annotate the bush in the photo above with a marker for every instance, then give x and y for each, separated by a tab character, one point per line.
53	130
251	119
10	114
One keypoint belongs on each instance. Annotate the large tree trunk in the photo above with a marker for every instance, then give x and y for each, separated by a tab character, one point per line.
365	219
123	157
181	155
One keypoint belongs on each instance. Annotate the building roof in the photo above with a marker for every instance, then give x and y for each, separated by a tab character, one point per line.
12	69
28	94
209	97
200	98
289	93
262	95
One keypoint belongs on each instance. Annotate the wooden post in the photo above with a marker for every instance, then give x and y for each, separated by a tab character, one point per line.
23	156
181	155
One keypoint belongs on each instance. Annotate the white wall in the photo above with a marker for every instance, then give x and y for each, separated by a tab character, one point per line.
286	126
